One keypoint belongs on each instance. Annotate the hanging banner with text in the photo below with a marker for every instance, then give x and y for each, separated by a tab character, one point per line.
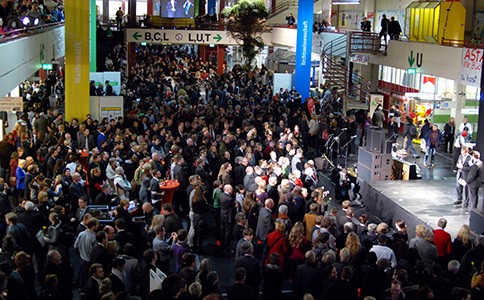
77	59
303	49
470	71
199	37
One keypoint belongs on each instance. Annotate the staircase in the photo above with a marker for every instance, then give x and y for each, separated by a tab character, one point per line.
281	6
356	90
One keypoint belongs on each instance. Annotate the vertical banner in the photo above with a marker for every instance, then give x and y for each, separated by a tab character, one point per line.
470	71
92	37
77	59
303	49
211	7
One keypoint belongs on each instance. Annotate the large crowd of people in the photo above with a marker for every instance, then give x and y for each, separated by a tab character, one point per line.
244	162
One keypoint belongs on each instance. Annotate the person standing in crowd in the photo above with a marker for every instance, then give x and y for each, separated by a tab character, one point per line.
394	29
461	141
449	135
410	133
465	124
378	116
432	138
473	179
366	25
463	167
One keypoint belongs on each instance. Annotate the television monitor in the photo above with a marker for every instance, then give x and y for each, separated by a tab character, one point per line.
184	9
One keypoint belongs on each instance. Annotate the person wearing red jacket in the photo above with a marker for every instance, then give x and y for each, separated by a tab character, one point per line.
443	243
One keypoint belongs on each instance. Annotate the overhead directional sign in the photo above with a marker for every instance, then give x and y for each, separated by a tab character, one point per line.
168	36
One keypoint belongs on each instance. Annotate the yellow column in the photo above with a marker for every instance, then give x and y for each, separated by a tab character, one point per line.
77	59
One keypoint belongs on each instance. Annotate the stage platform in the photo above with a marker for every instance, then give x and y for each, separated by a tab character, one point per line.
417	202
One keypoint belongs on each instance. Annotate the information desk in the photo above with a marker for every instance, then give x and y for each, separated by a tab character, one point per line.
169	187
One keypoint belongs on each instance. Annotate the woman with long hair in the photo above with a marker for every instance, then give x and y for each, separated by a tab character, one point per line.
277	242
260	193
251	209
199	210
357	255
53	238
26	270
462	242
299	244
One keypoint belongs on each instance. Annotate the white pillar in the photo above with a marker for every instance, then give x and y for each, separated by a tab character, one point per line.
460	102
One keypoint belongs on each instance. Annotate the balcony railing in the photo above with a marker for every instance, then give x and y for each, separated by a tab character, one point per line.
464	44
10	35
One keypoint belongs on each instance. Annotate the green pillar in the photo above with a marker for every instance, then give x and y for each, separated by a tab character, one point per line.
92	36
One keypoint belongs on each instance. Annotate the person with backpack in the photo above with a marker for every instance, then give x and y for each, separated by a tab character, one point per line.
409	133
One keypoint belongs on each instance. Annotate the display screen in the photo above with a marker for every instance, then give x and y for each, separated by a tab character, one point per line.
174	8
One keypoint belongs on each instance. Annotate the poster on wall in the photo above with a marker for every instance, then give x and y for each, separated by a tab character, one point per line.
350	19
470	70
375	100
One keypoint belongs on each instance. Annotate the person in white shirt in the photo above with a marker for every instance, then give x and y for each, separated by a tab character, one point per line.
466	124
382	251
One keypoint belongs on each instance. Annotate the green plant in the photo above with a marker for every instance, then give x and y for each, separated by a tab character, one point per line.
246	22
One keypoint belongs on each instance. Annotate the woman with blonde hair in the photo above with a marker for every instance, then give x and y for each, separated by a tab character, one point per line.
462	242
157	220
20	175
357	255
260	193
299	244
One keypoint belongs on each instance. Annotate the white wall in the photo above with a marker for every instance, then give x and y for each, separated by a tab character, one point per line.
441	61
22	57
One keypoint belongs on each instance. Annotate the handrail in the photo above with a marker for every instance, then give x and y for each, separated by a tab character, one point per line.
282	6
10	35
337	75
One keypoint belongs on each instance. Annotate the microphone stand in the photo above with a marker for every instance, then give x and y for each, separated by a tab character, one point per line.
337	139
330	137
346	145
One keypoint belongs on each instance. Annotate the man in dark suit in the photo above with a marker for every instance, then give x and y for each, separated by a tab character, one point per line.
240	290
122	237
54	266
228	205
473	179
93	283
249	263
180	175
76	191
86	141
265	223
49	169
307	277
109	89
463	168
99	253
239	170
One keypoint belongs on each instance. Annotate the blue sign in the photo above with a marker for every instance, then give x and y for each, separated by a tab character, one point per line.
211	7
302	80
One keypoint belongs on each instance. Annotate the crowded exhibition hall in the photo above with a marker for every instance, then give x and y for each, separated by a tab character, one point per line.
230	150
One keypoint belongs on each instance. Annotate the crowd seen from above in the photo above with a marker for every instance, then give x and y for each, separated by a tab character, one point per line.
244	161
